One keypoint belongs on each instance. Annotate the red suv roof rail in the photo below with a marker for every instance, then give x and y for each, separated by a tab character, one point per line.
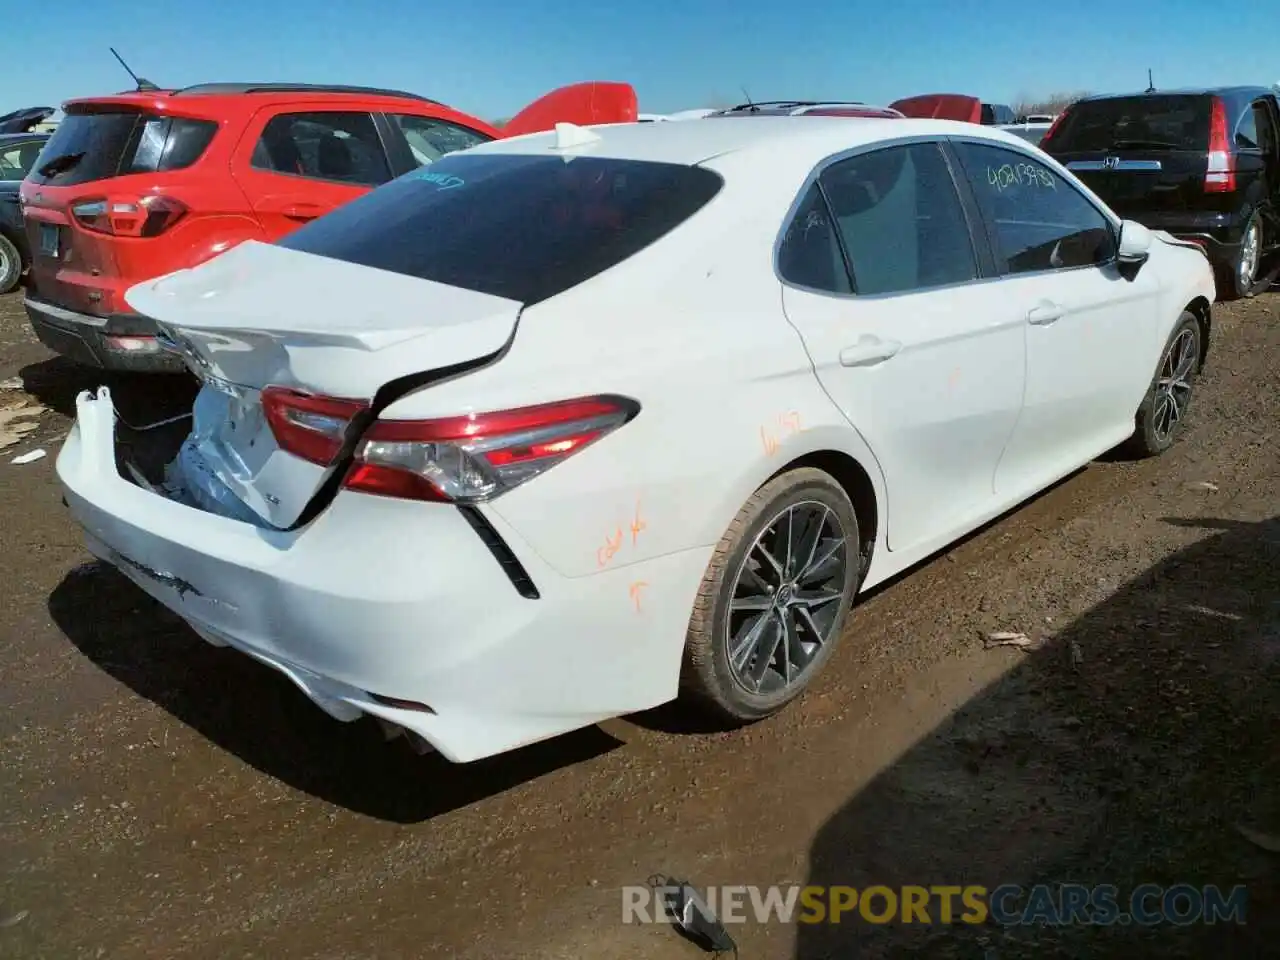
235	89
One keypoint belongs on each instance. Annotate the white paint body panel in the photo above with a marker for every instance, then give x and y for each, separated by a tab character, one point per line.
938	413
736	375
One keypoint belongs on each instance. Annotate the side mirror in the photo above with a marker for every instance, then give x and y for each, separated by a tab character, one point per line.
1135	243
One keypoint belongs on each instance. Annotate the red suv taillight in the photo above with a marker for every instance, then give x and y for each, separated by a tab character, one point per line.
474	458
1220	177
147	216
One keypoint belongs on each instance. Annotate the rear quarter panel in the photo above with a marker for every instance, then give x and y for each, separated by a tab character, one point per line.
693	329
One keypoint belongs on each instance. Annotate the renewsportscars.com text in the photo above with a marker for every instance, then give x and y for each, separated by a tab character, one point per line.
1007	905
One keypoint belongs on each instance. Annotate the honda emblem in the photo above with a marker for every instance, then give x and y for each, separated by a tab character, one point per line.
1110	163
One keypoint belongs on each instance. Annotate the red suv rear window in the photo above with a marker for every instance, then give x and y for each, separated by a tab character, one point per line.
102	143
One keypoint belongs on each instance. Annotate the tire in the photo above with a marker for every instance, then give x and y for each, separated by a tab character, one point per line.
1179	361
10	265
1237	279
709	679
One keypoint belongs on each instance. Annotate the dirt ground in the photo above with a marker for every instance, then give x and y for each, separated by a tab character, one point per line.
162	798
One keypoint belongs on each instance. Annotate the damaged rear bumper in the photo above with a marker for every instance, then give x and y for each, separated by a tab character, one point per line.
379	603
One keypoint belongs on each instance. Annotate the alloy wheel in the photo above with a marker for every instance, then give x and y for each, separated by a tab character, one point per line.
1250	251
1173	386
786	598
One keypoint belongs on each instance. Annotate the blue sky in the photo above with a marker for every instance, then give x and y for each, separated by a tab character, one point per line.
492	58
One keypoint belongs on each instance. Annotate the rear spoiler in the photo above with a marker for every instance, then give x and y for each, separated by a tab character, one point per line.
25	120
582	104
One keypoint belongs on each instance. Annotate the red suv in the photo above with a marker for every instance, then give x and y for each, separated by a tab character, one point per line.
137	185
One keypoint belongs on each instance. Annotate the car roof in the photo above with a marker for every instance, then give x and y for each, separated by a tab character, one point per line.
802	138
1227	91
218	96
797	108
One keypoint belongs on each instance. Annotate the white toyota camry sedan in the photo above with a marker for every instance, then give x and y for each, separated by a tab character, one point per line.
565	426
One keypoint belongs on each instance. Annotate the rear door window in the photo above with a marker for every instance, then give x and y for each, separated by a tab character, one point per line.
810	254
1037	220
900	220
515	226
429	139
1264	127
1147	122
342	147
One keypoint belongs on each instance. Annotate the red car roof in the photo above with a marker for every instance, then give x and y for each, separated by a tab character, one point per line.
595	101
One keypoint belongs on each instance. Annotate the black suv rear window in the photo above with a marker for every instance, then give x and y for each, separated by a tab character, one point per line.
1145	122
510	225
101	144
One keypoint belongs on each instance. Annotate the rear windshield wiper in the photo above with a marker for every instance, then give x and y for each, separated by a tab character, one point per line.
60	164
1145	143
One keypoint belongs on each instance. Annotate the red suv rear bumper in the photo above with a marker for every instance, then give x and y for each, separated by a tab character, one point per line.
123	342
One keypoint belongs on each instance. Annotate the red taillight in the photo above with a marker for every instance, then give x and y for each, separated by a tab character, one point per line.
311	427
147	216
1220	176
473	458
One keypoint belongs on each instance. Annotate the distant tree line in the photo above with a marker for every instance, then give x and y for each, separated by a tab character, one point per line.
1053	104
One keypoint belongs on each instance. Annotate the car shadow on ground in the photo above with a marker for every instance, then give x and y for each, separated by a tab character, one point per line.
139	398
258	715
1128	749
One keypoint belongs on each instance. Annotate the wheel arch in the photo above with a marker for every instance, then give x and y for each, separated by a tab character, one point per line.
16	240
1202	310
857	484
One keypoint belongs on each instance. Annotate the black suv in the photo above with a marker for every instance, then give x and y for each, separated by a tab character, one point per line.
1202	164
19	147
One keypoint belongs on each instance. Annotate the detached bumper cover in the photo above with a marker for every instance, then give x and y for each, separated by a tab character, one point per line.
399	599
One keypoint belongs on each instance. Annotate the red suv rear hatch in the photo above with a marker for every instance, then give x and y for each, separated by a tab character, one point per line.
90	205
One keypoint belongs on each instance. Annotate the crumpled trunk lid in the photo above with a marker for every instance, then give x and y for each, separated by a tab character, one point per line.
262	315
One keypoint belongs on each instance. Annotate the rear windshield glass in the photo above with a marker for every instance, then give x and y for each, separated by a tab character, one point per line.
520	227
99	145
1148	122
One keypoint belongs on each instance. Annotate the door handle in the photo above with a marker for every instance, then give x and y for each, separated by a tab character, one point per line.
294	210
303	211
1044	313
869	351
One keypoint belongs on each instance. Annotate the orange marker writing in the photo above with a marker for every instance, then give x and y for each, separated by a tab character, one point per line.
636	587
637	524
